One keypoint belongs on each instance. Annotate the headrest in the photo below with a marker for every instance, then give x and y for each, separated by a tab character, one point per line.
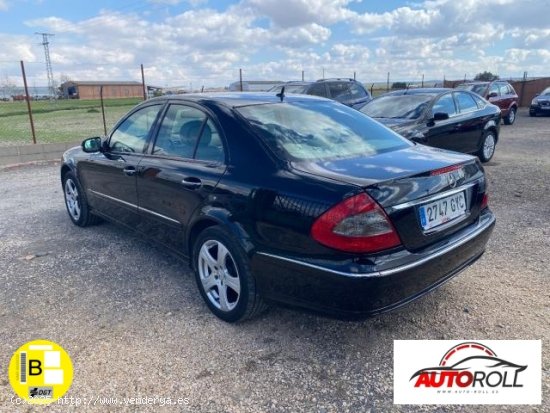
190	131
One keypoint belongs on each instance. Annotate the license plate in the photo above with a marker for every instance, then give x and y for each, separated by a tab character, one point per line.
442	211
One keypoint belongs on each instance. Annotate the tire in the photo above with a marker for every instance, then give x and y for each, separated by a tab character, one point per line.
76	202
488	146
532	114
225	281
511	118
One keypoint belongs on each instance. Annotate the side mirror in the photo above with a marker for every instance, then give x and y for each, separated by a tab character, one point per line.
492	95
537	94
440	116
92	145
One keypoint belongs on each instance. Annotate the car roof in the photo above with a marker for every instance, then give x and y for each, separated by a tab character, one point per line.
337	79
419	91
296	82
236	99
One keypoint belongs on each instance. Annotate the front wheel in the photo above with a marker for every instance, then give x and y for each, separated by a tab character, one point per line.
223	276
488	144
76	203
511	118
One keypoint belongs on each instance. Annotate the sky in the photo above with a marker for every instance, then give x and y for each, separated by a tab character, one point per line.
191	43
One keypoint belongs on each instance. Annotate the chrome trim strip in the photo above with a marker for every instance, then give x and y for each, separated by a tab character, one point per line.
175	221
318	267
138	208
113	199
481	227
429	198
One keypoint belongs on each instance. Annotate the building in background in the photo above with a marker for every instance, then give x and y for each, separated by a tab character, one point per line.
74	89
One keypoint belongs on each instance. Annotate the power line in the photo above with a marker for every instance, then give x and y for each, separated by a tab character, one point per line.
49	71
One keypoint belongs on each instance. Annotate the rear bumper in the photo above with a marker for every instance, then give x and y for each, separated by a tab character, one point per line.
388	282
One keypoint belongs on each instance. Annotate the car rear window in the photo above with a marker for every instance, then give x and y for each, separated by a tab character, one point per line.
478	88
319	130
397	106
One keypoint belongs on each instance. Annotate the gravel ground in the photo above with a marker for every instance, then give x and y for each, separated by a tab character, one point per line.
134	324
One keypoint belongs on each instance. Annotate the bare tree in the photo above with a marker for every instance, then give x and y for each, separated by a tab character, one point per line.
7	87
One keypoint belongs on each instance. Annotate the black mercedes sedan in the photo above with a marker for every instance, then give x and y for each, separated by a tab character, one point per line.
450	119
286	199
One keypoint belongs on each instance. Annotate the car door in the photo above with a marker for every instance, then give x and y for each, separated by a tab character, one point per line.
506	95
442	133
470	123
110	176
182	167
494	97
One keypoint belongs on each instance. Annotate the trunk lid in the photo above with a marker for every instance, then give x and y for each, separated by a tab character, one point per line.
403	183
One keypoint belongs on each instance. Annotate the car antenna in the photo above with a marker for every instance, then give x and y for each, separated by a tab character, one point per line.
281	94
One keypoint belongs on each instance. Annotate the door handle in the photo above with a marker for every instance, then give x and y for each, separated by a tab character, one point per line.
191	182
129	171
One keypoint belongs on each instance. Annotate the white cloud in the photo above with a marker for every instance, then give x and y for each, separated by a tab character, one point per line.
4	5
280	38
292	13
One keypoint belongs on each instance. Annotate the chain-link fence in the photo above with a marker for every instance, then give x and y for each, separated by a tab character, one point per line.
75	111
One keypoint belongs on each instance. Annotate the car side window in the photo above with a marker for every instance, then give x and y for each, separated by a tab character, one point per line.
318	89
481	103
179	131
181	128
210	147
504	89
494	89
131	135
339	91
445	104
357	92
466	102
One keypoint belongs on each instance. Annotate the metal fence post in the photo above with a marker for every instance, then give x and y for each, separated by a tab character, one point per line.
28	99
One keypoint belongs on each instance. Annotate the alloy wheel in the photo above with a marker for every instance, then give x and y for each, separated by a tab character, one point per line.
72	199
489	146
219	275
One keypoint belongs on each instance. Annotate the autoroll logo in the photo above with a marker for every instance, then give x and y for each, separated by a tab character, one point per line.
468	372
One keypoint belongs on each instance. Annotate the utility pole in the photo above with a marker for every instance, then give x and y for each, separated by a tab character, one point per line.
49	71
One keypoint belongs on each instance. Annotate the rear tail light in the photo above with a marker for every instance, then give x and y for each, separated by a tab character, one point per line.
357	224
485	201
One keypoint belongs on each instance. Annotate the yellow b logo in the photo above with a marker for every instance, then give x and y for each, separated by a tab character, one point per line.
40	372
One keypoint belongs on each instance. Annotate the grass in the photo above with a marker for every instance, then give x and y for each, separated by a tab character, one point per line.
59	121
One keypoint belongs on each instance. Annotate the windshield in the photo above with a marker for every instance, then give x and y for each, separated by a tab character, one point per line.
314	130
546	91
397	106
478	88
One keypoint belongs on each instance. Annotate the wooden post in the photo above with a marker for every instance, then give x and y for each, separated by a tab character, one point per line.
103	110
388	83
28	99
143	84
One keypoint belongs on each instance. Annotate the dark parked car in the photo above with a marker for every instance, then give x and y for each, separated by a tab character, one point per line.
498	92
303	202
347	91
541	103
444	118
